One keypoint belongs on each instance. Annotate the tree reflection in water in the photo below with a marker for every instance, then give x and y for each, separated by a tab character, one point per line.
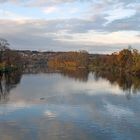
8	81
128	83
77	74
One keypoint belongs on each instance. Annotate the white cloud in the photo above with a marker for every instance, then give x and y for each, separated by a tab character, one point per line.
50	9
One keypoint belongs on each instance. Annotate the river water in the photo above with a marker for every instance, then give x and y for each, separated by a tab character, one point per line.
61	106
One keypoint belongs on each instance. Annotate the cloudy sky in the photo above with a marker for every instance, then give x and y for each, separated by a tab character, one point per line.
98	26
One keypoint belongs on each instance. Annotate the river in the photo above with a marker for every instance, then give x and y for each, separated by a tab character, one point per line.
65	106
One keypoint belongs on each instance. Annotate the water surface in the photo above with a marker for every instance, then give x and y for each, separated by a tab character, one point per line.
64	106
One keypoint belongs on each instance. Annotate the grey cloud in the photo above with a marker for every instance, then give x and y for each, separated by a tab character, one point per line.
52	26
83	26
131	23
102	9
129	1
29	36
70	25
46	35
33	35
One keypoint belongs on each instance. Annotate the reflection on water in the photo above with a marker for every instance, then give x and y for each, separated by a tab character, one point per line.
128	83
77	74
8	81
68	105
81	74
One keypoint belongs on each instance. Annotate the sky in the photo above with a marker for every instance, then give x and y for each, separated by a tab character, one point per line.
97	26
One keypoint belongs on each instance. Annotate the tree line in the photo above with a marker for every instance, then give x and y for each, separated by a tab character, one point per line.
69	60
127	61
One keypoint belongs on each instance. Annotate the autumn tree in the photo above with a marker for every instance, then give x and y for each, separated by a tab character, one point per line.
125	59
69	60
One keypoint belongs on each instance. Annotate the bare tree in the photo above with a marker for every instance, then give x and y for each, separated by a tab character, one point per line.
3	48
4	44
